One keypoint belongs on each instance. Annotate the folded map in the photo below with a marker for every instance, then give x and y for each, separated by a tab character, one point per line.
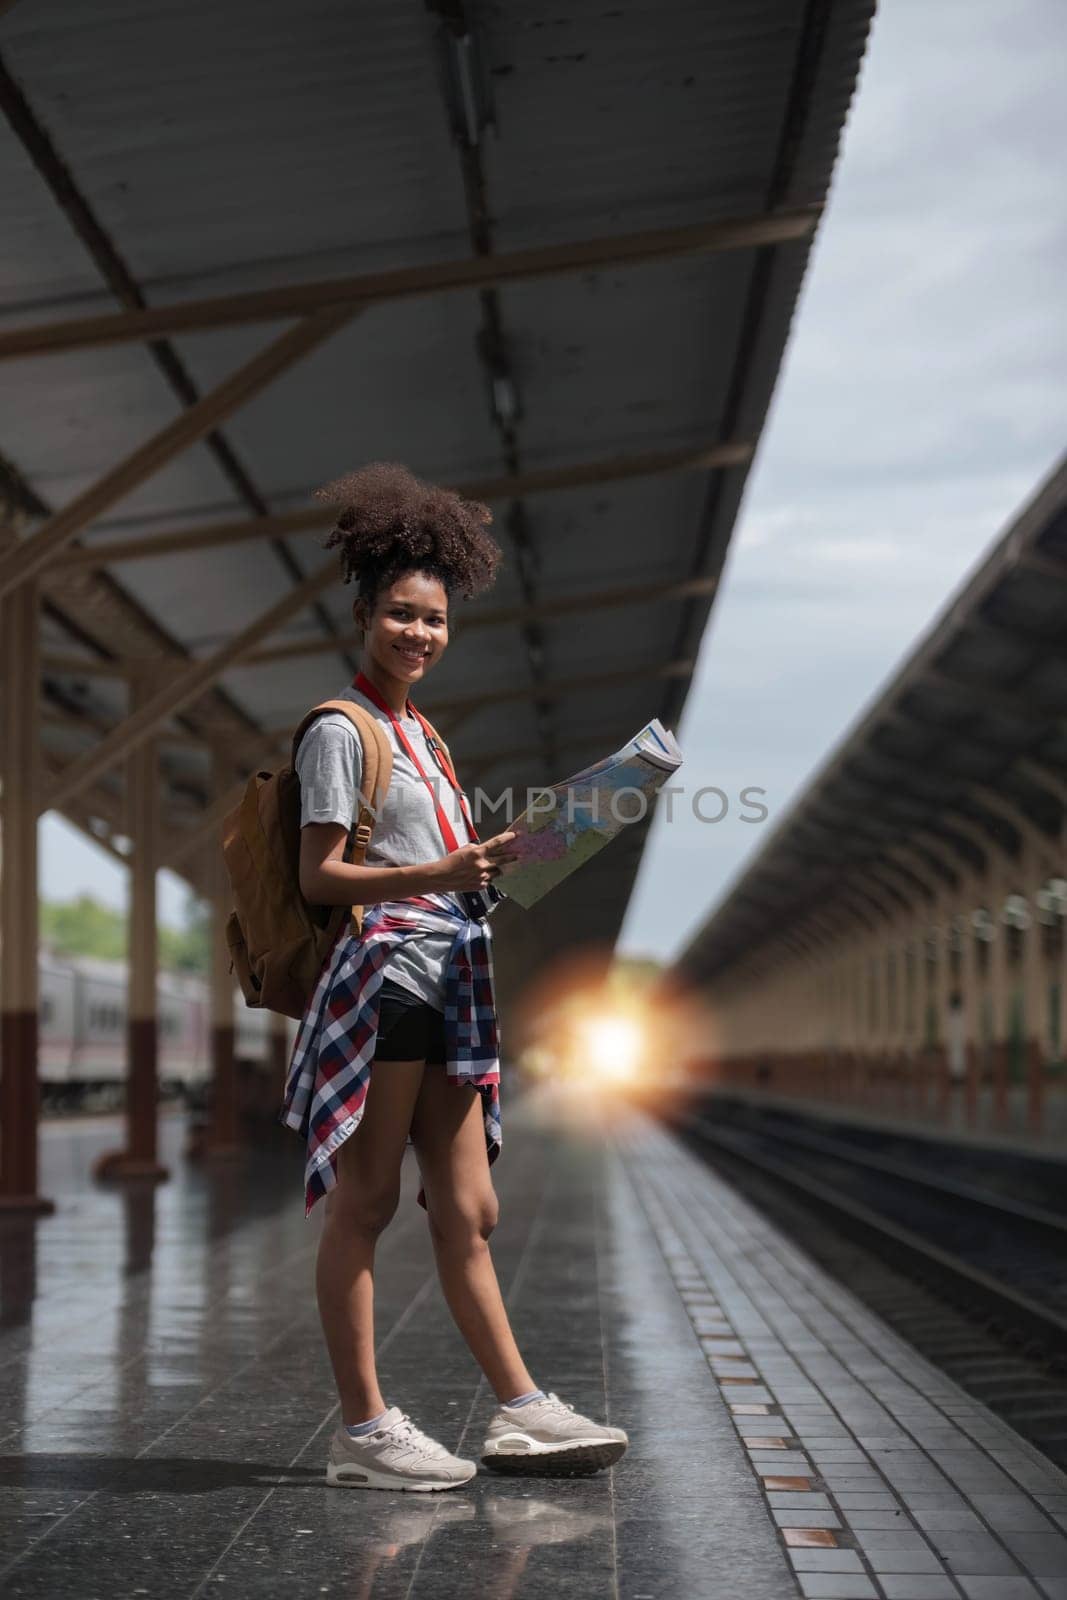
568	822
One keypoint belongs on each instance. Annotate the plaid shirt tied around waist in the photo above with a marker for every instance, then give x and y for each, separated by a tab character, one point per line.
330	1067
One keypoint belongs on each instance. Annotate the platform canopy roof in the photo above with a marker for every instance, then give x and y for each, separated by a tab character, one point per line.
960	758
546	253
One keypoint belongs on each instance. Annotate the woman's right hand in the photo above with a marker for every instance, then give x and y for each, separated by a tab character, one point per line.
472	866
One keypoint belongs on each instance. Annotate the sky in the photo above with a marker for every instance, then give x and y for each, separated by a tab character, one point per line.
921	400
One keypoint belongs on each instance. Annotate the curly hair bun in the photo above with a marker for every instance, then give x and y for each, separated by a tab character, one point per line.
391	522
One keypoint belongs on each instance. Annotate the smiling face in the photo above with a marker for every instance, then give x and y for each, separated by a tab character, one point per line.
407	630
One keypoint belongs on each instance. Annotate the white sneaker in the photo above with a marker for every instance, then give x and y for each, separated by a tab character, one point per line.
548	1436
396	1455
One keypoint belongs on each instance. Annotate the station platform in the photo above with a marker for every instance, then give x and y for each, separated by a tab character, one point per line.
166	1397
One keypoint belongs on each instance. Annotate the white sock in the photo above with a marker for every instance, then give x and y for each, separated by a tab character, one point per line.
524	1399
355	1429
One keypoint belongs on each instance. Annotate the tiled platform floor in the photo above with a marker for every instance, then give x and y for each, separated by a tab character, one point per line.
166	1400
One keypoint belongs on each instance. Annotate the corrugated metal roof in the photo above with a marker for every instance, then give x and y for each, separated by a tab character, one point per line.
225	148
211	139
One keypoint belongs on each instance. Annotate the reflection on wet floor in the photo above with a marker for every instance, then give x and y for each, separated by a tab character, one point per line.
167	1400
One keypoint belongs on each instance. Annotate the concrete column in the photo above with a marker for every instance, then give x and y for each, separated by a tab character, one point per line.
934	1007
892	989
909	984
969	998
942	914
20	772
279	1051
223	1133
1035	983
876	1028
880	1035
139	1157
896	1043
1062	981
999	987
998	983
1061	971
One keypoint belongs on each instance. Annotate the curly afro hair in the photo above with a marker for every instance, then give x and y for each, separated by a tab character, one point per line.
391	523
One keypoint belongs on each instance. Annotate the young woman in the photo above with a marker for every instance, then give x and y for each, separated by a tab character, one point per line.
402	1025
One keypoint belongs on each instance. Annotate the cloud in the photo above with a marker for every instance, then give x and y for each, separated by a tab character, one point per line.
920	402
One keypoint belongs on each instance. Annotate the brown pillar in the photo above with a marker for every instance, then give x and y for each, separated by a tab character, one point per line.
938	1068
223	1131
969	995
279	1052
1000	1083
971	1085
1061	1026
139	1158
998	990
1036	993
20	772
1035	1082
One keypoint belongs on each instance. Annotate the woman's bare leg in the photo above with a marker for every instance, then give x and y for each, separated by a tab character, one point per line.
448	1133
357	1210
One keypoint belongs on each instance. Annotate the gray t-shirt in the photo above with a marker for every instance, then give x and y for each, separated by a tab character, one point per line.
329	764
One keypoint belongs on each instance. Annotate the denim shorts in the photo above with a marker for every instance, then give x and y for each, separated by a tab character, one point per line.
409	1029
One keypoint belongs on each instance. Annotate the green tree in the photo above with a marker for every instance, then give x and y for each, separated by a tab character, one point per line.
188	948
84	927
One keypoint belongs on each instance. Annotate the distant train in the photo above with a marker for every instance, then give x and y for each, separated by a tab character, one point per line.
82	1032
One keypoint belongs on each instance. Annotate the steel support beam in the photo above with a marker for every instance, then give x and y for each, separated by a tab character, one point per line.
183	688
507	616
516	486
552	689
405	283
34	554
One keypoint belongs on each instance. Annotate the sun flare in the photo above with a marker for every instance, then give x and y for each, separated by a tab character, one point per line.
612	1044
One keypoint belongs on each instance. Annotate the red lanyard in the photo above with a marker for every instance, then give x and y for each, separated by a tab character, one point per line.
364	685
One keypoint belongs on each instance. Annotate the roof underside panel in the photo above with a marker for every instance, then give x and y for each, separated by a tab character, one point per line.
247	142
623	117
204	150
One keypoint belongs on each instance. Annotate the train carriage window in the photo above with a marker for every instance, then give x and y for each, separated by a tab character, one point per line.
106	1018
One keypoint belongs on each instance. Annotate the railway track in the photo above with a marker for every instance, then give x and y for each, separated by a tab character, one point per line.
975	1279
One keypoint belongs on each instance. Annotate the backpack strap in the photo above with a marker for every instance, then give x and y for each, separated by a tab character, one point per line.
377	751
377	774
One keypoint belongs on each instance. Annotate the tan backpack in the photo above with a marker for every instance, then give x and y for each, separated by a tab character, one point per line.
278	940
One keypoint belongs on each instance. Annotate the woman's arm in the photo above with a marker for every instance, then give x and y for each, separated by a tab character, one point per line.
327	880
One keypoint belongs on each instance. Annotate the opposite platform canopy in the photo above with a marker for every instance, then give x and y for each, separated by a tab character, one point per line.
549	254
962	756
